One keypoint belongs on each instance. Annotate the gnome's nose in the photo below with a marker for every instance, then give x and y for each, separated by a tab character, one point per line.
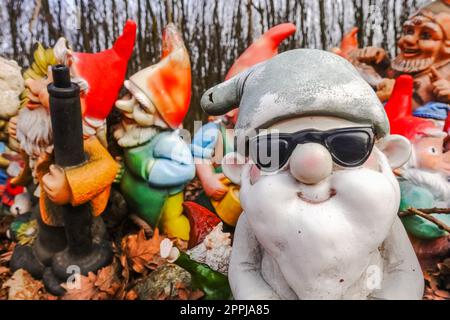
310	163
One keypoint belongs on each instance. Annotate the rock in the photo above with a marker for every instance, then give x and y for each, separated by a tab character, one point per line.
163	283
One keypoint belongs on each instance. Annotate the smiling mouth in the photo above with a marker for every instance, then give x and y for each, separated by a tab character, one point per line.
331	194
410	52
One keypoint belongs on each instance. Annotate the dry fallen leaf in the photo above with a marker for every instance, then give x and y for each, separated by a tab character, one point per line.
141	254
185	293
100	286
22	286
131	295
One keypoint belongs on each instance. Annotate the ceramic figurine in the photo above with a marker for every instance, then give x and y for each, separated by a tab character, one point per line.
214	250
424	53
72	169
158	162
215	139
423	180
320	210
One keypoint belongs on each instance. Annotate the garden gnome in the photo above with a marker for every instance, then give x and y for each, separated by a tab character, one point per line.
424	53
215	139
158	163
63	184
423	180
314	159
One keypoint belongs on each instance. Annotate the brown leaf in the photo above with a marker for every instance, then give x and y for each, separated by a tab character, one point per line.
100	286
185	293
23	287
6	257
106	280
131	295
141	253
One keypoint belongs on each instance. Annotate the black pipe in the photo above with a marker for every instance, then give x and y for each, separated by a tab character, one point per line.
65	113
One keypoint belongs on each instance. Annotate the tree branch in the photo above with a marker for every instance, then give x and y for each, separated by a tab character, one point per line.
427	216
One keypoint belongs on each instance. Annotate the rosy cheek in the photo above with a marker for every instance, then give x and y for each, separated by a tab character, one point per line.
255	173
428	46
44	98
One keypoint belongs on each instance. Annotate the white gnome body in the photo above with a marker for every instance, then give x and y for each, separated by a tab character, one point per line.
314	229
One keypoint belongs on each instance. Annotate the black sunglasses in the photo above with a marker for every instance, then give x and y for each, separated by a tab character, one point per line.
349	147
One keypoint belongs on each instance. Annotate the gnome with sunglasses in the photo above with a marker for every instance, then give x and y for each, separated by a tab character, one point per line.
314	160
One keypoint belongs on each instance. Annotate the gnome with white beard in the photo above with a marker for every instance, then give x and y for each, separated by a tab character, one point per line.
314	159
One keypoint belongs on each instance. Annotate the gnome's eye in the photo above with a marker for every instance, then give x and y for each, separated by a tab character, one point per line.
432	150
425	36
408	31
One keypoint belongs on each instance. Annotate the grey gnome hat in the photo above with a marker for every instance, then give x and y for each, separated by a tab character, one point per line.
301	82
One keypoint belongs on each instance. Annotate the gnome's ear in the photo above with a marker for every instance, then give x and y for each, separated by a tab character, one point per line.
225	96
396	148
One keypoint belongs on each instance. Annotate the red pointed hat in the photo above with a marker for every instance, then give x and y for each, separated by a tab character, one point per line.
262	49
105	72
167	84
399	111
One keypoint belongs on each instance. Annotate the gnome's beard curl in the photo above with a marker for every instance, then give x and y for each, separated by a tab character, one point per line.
34	133
305	239
34	130
130	135
436	182
411	65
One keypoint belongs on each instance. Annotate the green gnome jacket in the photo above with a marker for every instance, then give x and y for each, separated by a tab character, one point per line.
154	171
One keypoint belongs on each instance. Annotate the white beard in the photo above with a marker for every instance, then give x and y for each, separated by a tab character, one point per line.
34	130
411	65
132	135
322	250
436	182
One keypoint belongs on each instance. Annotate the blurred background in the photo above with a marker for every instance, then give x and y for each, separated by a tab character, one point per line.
215	31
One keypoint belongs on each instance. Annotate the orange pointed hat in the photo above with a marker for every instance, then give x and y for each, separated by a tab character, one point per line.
262	49
167	84
349	42
399	111
104	73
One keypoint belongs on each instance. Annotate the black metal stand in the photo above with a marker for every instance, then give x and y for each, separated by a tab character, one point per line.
65	112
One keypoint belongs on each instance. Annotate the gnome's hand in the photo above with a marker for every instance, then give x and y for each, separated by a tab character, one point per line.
441	86
12	127
370	55
56	186
214	186
441	89
384	89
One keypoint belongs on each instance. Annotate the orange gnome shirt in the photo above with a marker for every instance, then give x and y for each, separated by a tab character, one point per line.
89	182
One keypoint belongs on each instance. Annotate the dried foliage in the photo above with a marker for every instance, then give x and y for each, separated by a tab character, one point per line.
22	286
141	254
100	286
